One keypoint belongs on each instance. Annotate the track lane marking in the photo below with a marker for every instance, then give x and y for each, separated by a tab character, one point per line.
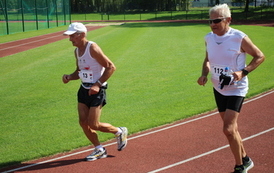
207	153
152	132
36	37
24	44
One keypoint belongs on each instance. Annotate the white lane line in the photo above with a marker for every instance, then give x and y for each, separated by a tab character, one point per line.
18	45
31	37
209	152
138	136
32	41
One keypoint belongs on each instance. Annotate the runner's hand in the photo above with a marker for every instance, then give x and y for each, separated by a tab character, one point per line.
66	78
94	89
202	80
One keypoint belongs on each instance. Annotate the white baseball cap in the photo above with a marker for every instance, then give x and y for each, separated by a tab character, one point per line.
75	27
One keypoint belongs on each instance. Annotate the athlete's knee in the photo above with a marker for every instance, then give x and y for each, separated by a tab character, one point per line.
94	126
83	123
230	130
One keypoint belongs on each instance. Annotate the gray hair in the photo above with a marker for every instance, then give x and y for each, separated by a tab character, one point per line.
222	9
79	32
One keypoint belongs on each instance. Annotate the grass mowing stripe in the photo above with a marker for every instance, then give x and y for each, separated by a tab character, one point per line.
155	83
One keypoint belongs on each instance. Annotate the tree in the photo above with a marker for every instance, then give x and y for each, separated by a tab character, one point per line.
121	5
246	5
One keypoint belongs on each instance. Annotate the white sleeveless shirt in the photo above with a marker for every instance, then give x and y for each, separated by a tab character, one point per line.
225	51
90	69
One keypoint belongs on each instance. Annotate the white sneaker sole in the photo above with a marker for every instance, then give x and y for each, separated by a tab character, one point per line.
250	167
90	160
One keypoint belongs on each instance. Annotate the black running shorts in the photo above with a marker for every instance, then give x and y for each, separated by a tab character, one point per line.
92	100
228	102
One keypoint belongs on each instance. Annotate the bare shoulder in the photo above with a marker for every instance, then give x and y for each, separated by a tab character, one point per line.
95	50
250	48
94	46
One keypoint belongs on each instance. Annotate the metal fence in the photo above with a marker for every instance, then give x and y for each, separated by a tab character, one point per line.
193	10
28	15
193	14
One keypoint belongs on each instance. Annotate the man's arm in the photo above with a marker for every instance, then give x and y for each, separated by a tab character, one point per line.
98	54
73	76
205	70
258	57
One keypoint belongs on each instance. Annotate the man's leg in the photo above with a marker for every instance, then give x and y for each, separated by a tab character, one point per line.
91	134
242	146
95	124
230	129
90	122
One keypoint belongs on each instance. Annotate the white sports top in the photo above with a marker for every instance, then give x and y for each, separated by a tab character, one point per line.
90	69
225	51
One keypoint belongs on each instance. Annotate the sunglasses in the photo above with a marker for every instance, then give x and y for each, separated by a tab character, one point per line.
215	20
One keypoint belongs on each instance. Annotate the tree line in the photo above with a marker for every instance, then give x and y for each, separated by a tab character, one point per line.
86	6
78	6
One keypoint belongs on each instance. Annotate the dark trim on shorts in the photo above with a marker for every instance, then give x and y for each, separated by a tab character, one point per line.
228	102
92	100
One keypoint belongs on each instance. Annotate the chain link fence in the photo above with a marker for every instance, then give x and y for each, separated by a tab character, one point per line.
28	15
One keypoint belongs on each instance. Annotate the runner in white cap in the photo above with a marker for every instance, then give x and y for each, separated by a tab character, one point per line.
93	68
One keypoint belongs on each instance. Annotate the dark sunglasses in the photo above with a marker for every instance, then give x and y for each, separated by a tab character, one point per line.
215	20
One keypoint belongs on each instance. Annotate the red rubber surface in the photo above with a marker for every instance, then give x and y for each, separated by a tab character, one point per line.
190	144
14	47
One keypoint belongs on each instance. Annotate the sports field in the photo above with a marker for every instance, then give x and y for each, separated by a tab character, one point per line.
155	84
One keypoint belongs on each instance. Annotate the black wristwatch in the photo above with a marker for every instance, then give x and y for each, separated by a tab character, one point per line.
245	72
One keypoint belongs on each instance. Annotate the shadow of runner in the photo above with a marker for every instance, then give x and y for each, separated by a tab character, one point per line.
48	165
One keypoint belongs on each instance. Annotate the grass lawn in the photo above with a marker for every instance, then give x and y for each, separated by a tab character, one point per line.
155	83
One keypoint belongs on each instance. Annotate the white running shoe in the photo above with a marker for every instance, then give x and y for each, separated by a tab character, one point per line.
122	139
97	154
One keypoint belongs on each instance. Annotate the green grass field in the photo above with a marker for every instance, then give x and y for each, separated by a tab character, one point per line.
155	83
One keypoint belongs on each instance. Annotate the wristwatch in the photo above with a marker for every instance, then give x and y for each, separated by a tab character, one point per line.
245	72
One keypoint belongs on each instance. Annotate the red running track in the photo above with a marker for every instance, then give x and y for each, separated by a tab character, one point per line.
14	47
194	145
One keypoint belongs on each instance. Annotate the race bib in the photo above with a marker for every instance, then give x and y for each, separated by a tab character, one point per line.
216	70
86	76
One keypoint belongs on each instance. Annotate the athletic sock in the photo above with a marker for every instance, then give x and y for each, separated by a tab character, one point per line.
119	132
99	147
246	158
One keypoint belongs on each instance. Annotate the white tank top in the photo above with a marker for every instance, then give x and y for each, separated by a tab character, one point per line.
90	69
225	51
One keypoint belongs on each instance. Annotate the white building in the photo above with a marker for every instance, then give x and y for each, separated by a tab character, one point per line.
208	3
